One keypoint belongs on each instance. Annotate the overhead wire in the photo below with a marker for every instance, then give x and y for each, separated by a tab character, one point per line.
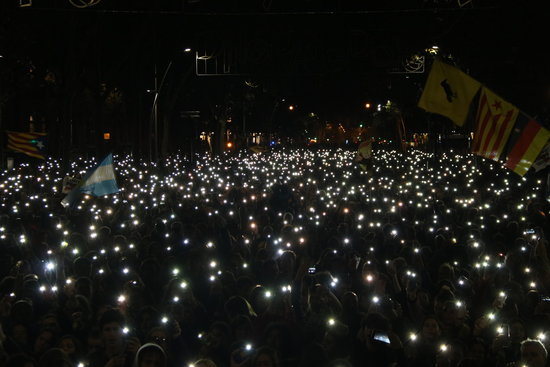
81	4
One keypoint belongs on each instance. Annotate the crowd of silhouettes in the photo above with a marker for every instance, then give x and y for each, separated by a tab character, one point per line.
288	258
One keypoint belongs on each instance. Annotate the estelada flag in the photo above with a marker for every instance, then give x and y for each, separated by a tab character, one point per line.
524	145
31	144
449	92
494	121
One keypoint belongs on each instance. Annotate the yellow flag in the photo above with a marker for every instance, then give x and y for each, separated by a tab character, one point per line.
448	92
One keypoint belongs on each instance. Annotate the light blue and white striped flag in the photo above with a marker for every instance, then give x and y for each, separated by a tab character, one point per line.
98	182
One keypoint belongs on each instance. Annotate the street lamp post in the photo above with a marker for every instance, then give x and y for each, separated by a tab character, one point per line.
154	145
155	116
244	124
1	127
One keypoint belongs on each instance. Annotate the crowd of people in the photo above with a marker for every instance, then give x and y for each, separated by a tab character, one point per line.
285	258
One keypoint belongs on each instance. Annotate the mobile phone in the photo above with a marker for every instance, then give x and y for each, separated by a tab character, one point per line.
381	337
126	330
312	270
463	281
531	233
504	330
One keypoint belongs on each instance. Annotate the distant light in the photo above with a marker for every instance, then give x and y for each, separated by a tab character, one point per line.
187	49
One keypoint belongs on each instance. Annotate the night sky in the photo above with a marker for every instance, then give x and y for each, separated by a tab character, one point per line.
329	57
